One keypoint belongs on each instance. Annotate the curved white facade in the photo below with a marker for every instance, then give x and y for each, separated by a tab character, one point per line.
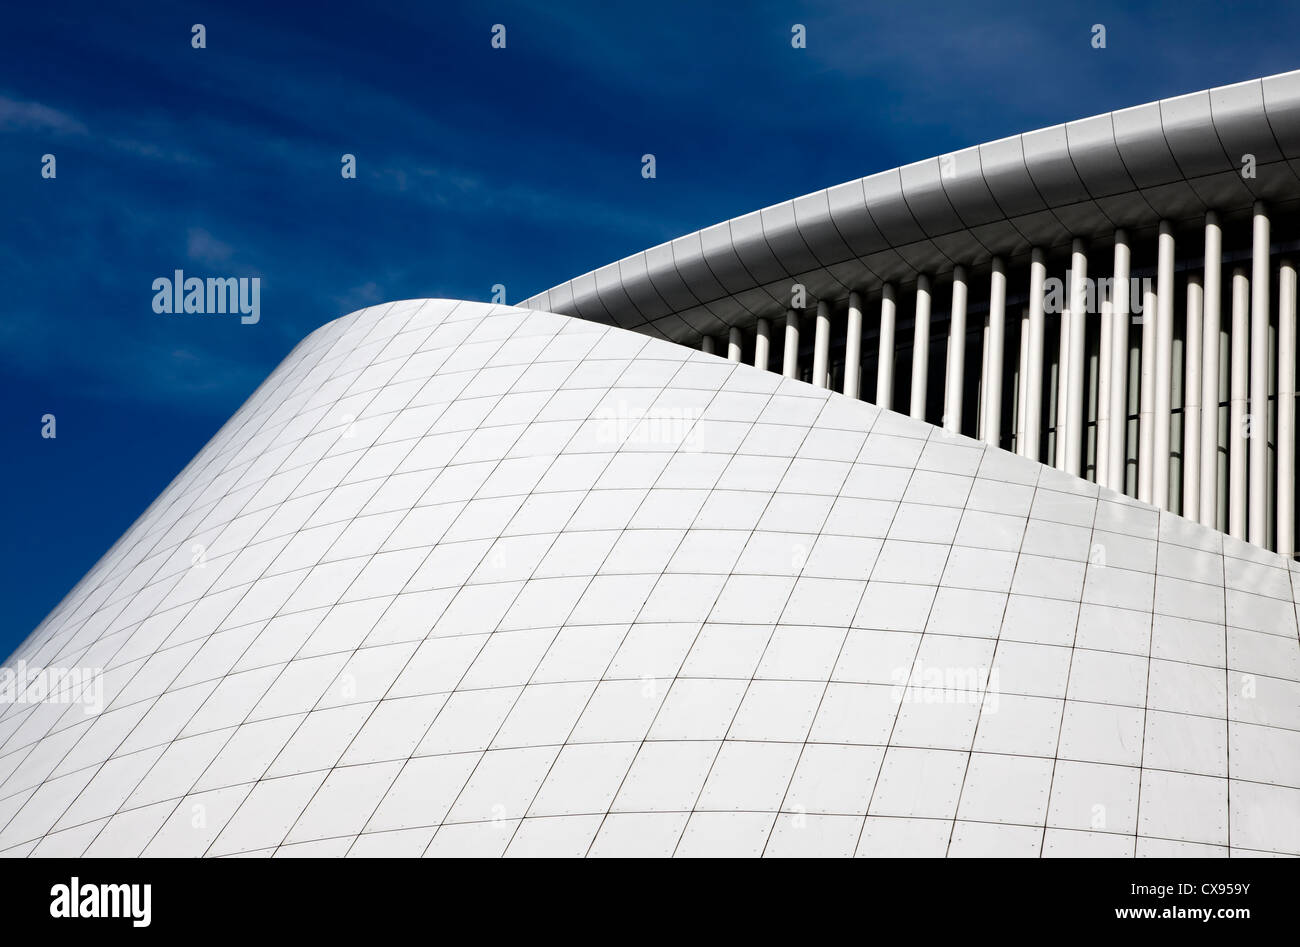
472	580
1114	296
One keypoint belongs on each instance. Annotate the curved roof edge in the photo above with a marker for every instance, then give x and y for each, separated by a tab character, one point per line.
1172	160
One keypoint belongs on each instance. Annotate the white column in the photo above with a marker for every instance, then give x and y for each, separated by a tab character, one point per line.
790	353
885	363
1022	382
762	343
1163	416
706	345
1258	506
1191	452
821	344
853	346
1104	354
1034	376
952	400
1078	334
991	386
1146	406
1286	393
1120	318
1062	386
735	344
921	347
1209	466
1238	395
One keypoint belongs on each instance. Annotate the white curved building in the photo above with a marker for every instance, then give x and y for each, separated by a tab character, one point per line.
478	580
948	289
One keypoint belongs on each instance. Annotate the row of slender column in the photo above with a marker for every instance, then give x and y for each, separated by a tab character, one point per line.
1092	398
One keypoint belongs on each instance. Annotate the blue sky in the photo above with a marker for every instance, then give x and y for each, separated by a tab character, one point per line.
475	166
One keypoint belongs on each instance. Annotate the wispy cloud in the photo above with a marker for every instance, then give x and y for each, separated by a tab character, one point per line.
202	247
23	115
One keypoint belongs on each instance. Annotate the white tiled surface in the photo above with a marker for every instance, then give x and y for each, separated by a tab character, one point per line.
477	581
